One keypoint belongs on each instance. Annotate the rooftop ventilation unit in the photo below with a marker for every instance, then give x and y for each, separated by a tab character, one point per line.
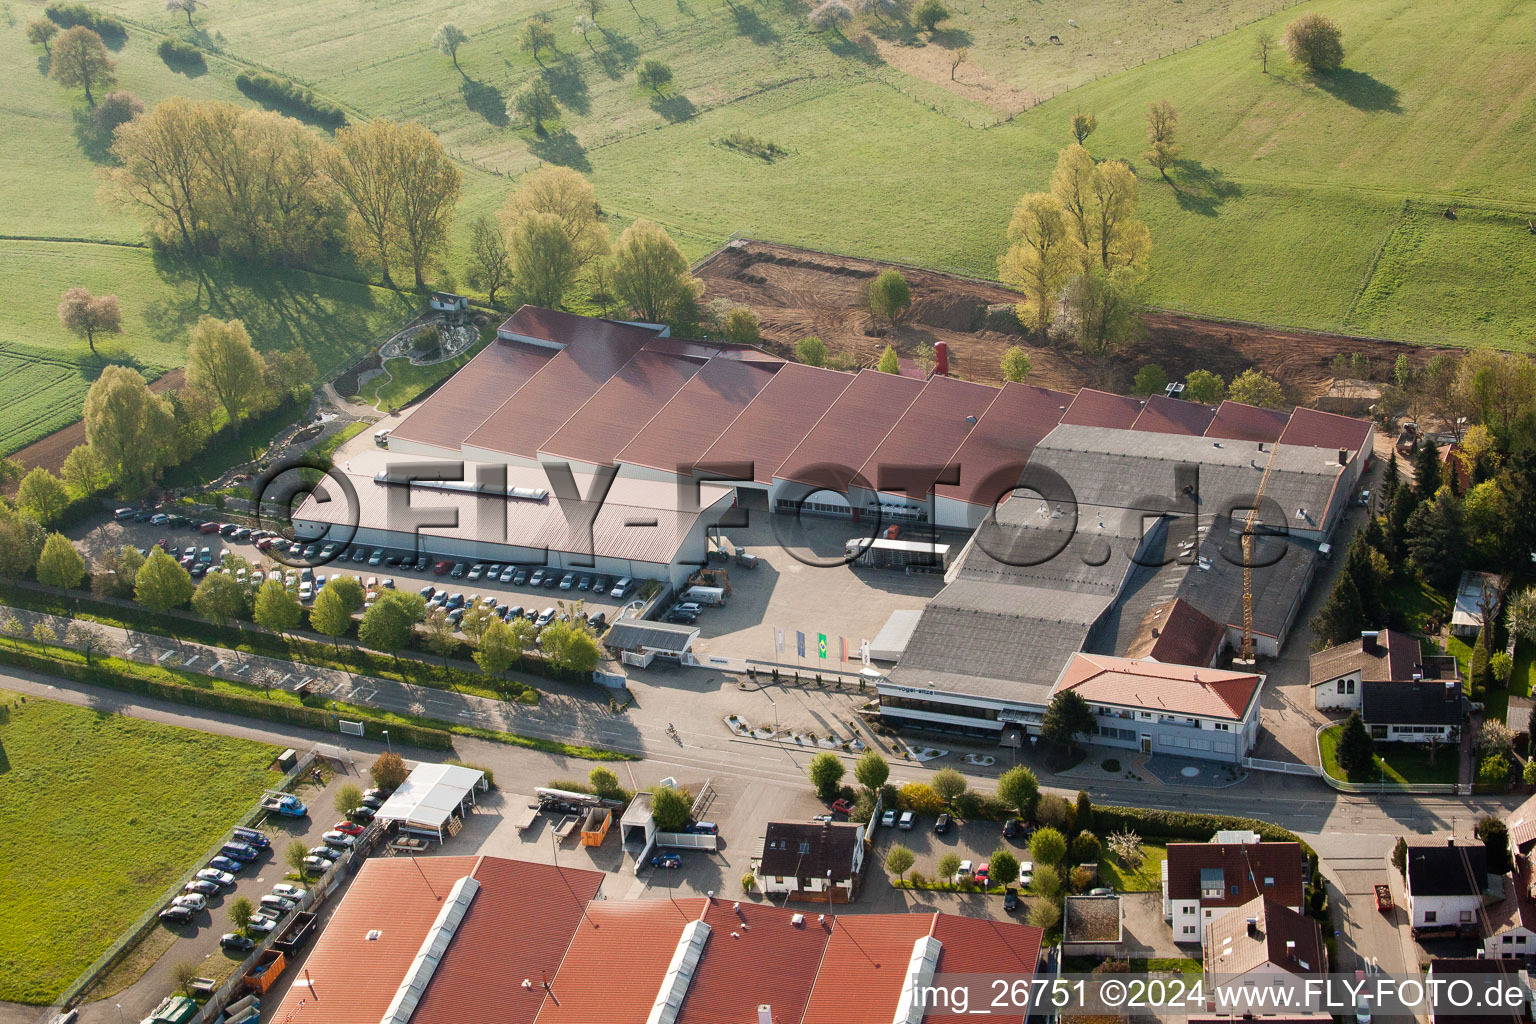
920	971
414	985
674	984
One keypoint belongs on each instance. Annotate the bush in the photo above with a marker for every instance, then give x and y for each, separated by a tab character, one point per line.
753	146
180	54
1493	771
920	798
1151	823
1082	878
1056	812
70	15
278	91
748	883
1315	41
1047	846
1086	848
389	771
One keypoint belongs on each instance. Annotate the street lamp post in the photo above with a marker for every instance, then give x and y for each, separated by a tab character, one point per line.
387	746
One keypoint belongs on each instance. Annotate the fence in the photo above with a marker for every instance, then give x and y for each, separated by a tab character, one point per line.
136	931
1259	764
1383	786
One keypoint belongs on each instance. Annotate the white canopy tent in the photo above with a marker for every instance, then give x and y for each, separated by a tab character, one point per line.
432	795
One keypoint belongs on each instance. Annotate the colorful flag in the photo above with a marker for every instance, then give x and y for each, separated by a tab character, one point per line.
800	643
821	645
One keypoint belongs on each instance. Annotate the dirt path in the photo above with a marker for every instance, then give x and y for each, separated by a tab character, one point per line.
49	452
796	292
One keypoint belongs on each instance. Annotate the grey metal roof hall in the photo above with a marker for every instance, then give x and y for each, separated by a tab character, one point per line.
642	634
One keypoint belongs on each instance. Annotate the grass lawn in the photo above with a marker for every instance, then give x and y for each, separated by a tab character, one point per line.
402	383
1415	602
326	450
98	814
1145	878
1402	763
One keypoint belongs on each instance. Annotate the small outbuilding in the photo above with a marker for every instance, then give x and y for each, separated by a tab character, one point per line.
432	799
1092	926
639	641
448	302
1476	590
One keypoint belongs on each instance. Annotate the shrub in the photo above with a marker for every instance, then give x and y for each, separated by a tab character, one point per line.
1086	848
1082	878
1315	41
70	15
1529	774
751	145
748	883
178	53
1055	812
920	798
1152	823
278	91
1047	846
1493	771
389	771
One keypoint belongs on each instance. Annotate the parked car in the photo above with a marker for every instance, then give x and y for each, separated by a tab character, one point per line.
597	621
175	915
373	802
545	618
841	806
277	904
941	826
666	860
599	584
335	838
537	579
239	851
1010	828
459	569
507	574
1026	872
261	924
194	901
963	871
350	828
621	587
888	819
236	942
359	554
476	571
318	864
202	887
905	821
584	583
376	557
216	876
704	828
363	813
520	577
227	865
288	891
421	563
981	873
122	513
1010	899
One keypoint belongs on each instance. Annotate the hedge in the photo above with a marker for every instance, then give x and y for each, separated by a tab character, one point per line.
1150	823
70	15
284	92
123	677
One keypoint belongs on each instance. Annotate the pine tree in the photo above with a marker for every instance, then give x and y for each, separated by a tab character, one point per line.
1341	617
1356	752
1437	540
1426	470
1395	524
1391	478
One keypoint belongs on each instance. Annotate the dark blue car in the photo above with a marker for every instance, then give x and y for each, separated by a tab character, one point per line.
666	860
234	867
239	851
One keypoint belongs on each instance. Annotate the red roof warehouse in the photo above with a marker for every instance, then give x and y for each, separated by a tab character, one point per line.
443	940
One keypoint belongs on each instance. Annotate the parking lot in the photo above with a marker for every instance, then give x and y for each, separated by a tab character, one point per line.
197	942
403	575
794	589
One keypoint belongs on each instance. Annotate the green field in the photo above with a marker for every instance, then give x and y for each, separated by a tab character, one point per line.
1299	203
98	814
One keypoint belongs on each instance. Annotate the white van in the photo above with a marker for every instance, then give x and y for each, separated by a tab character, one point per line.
381	438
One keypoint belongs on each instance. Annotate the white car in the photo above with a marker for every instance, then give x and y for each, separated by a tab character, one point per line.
217	876
964	870
1026	872
261	924
334	838
906	820
288	891
306	591
888	819
194	901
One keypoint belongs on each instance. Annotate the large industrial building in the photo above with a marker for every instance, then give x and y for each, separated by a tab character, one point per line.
578	442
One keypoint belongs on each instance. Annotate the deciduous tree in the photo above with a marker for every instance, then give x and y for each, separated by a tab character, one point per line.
42	496
569	196
890	362
1067	717
130	427
60	565
490	261
330	615
221	361
388	624
187	7
656	76
160	173
86	316
362	163
1015	364
1315	41
534	36
671	807
929	13
1002	867
161	583
830	14
544	262
80	59
219	597
811	351
948	783
41	33
1263	46
448	38
1083	125
1040	258
116	109
871	770
277	608
570	646
388	771
1204	386
740	326
1150	380
650	273
496	652
825	771
1018	788
1162	121
889	296
535	103
1254	387
349	797
1047	846
899	860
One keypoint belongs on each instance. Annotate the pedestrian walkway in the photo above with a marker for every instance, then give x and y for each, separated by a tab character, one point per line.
572	721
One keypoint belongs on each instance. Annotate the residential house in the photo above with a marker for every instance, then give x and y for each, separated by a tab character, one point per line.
1173	709
1261	939
1511	931
1377	657
1446	885
1522	828
818	860
1419	712
1477	969
1204	881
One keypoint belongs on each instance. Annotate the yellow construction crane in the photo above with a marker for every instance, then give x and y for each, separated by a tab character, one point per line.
1253	516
